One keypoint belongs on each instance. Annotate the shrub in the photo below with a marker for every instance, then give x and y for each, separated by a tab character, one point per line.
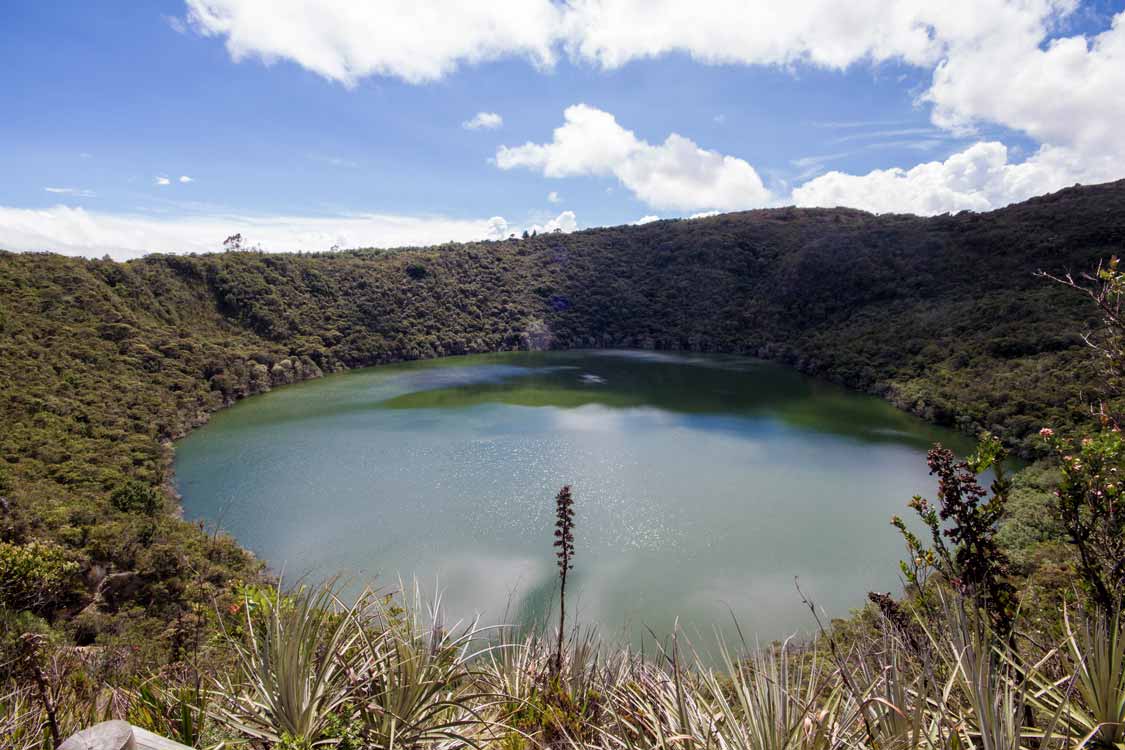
965	515
34	575
136	497
1088	507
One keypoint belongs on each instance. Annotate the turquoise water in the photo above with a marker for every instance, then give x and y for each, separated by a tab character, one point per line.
704	485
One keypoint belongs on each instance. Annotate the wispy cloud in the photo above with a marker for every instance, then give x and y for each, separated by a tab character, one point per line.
483	121
176	23
918	144
185	179
810	166
815	164
844	124
871	134
808	161
76	192
334	161
553	197
162	181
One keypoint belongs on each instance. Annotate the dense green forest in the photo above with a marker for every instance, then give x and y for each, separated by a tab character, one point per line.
104	364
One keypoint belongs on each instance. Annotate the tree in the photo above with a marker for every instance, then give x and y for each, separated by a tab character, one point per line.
233	243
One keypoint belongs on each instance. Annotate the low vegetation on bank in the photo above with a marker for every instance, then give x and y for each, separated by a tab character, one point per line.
112	606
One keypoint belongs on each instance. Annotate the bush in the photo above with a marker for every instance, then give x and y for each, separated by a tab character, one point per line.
965	514
136	497
33	576
1087	507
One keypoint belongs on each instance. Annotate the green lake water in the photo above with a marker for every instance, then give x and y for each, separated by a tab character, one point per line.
704	485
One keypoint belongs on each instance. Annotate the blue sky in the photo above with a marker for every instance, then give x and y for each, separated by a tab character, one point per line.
323	131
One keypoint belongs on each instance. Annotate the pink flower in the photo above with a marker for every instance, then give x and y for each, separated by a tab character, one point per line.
1046	432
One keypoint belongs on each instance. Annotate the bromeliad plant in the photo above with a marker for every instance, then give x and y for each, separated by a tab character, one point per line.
292	667
311	672
1087	705
413	684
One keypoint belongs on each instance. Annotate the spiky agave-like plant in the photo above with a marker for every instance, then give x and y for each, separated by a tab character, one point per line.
291	672
662	705
413	682
1087	706
770	700
993	693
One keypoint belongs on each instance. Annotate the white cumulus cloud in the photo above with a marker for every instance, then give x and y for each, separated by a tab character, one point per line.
566	222
1066	91
184	179
676	174
345	41
483	121
978	178
646	220
1063	92
1000	62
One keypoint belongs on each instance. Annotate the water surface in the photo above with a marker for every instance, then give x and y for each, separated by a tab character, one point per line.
704	485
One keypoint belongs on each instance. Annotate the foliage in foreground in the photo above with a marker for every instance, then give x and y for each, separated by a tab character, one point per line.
383	672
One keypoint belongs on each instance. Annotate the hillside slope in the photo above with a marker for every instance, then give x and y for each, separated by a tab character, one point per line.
102	364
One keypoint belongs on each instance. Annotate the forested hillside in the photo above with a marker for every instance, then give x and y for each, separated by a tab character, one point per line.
103	364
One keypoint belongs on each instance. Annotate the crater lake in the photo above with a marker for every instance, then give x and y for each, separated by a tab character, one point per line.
705	486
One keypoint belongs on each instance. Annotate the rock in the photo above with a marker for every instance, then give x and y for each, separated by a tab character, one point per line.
117	588
109	735
146	740
119	735
95	575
